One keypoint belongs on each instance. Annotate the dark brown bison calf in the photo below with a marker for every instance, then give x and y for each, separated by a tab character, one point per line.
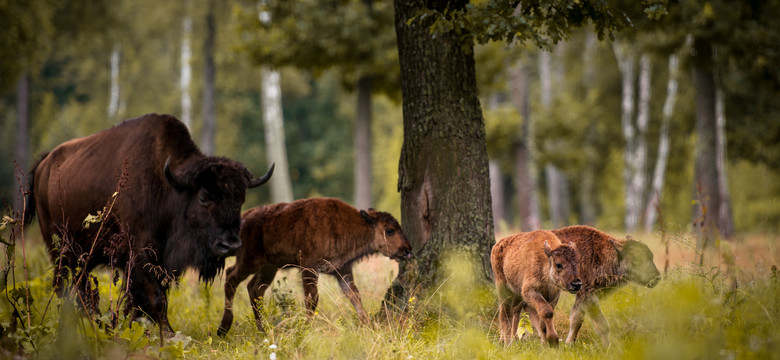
319	235
530	271
605	264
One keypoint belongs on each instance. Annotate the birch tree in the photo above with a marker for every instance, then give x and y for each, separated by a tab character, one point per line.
186	67
209	111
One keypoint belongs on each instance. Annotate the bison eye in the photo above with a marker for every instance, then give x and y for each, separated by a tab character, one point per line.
202	199
559	266
390	232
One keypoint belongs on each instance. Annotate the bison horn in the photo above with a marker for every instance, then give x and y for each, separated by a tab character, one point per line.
177	184
263	179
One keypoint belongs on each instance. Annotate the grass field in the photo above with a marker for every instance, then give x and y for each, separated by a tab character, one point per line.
725	306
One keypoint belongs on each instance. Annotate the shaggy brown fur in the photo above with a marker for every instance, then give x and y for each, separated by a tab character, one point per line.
175	208
605	264
530	271
319	235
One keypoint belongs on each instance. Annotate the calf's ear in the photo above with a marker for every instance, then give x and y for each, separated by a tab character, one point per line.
614	245
547	249
367	217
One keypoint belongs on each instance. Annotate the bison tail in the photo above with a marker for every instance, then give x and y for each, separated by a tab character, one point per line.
29	197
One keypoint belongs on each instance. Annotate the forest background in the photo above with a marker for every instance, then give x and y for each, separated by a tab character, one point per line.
73	68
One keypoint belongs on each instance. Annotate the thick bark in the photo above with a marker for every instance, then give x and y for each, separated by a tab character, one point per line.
443	170
113	100
209	84
275	143
659	173
528	203
186	70
363	171
705	184
21	155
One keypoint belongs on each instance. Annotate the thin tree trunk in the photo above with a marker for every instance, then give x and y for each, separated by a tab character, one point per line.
588	174
363	169
497	195
275	143
528	203
186	68
443	171
706	187
113	101
725	218
557	183
639	171
209	84
627	63
659	173
21	155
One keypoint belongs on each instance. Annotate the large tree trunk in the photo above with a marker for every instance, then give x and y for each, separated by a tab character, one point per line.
525	174
707	192
113	100
363	172
209	85
21	155
186	68
659	173
275	143
443	171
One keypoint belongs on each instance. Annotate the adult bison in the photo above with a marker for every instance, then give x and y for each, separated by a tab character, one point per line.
319	235
175	208
605	264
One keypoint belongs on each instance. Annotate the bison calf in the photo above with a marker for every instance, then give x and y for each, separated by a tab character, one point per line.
319	235
530	271
605	264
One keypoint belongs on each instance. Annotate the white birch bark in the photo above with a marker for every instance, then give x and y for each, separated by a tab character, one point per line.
362	145
525	166
659	172
275	144
113	99
725	220
638	176
186	71
627	64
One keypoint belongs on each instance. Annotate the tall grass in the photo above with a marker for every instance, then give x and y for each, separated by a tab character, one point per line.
697	311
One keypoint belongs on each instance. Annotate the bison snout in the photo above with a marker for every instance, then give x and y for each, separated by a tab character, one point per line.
228	245
575	286
403	255
654	282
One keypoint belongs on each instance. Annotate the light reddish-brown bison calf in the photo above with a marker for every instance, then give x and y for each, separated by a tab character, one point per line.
319	235
605	264
530	271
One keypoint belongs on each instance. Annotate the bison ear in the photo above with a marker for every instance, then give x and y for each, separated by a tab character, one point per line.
547	249
367	217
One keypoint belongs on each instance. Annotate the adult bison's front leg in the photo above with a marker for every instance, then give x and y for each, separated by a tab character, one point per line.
148	297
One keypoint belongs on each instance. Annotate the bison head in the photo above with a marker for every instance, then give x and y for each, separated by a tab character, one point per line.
637	259
215	189
563	266
389	238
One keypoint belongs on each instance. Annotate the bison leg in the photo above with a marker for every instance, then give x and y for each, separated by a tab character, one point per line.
310	294
233	277
543	311
347	284
600	323
148	298
509	311
576	318
256	288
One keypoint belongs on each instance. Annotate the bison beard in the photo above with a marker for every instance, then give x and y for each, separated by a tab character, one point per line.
176	209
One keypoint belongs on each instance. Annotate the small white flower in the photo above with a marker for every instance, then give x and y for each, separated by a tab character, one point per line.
272	356
272	347
265	341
